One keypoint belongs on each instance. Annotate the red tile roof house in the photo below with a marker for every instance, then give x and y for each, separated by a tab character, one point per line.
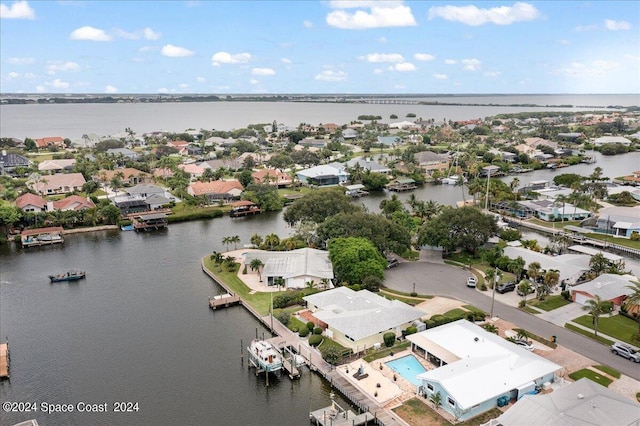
31	203
226	190
272	177
55	140
193	170
57	184
130	176
35	203
73	202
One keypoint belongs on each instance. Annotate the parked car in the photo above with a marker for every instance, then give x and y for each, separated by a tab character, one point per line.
472	281
525	344
506	287
392	263
625	351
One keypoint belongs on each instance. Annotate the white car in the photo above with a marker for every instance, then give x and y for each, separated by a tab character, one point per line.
525	344
472	281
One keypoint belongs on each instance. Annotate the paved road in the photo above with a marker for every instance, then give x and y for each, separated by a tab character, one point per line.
444	280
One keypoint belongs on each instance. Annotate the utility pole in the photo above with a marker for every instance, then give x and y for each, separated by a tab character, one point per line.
493	294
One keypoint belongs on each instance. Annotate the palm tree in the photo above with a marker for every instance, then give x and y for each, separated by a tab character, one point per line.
597	307
256	240
598	264
432	209
271	240
255	265
632	302
514	185
235	240
436	400
533	271
525	288
226	241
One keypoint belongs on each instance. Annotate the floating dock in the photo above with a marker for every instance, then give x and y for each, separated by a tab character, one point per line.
42	236
244	208
224	301
4	360
335	415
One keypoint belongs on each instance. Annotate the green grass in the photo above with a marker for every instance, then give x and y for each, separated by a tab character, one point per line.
455	313
182	211
530	310
473	309
392	292
415	408
617	326
610	371
588	334
620	241
374	354
327	343
591	375
295	324
556	225
549	303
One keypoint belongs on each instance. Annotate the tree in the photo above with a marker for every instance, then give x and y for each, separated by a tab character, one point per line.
266	196
533	271
255	265
256	240
9	215
272	240
245	178
226	241
465	227
525	288
597	307
632	303
354	259
436	400
598	264
550	280
318	205
235	240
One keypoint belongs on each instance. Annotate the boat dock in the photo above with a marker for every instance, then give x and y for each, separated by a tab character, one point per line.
402	185
145	222
4	360
330	416
42	236
224	301
289	362
244	208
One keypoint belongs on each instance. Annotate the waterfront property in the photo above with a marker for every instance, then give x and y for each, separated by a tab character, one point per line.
244	208
295	268
408	367
359	319
619	221
57	184
611	287
402	185
323	175
478	370
571	267
42	236
355	191
145	222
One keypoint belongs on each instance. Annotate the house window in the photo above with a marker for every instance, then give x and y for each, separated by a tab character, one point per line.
451	401
430	387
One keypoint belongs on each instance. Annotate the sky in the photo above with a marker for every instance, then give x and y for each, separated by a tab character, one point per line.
320	47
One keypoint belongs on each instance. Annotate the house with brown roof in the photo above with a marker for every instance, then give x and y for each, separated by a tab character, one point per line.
31	203
225	190
57	165
73	202
129	175
429	161
57	184
35	203
162	172
192	169
272	177
46	142
633	178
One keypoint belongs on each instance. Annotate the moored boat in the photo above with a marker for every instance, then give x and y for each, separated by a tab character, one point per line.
68	276
264	356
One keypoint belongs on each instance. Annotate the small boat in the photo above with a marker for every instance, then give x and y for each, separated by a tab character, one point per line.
264	356
127	227
68	276
453	180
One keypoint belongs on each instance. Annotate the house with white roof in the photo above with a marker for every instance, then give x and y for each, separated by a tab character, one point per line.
619	221
368	163
581	403
570	266
611	287
323	175
477	368
295	267
603	140
359	319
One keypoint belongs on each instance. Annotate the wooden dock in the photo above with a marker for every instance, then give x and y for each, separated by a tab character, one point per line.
330	416
42	236
288	356
224	301
4	360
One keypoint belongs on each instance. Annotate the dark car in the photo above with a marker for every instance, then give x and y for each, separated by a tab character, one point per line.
392	263
506	287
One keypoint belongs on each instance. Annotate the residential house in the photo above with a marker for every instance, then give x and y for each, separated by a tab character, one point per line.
313	143
349	134
603	140
389	140
552	210
10	162
490	170
430	162
611	287
193	170
404	125
142	198
330	128
633	178
296	267
54	166
56	141
34	203
323	175
73	202
539	142
476	368
219	190
162	172
31	203
122	152
571	267
581	403
619	221
368	163
272	177
359	319
57	184
127	175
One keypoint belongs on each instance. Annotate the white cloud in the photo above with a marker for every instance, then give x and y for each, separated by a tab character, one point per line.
149	34
471	64
29	75
565	42
254	81
110	89
440	76
18	10
21	61
381	14
403	67
382	39
424	57
163	90
125	34
383	57
59	84
263	71
472	15
399	86
227	58
148	49
40	88
12	75
286	61
597	68
583	28
329	75
450	61
175	51
378	71
612	25
307	24
201	79
90	33
492	74
54	67
183	86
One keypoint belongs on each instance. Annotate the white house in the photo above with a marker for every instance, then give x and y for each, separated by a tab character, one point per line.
295	267
603	140
360	319
570	266
611	287
477	368
323	175
619	221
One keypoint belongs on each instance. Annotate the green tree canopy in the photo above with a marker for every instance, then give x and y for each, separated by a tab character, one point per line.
318	205
567	179
354	259
465	227
264	195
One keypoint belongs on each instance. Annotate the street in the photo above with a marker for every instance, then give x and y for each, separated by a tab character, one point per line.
439	279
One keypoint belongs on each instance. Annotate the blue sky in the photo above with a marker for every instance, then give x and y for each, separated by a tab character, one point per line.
305	46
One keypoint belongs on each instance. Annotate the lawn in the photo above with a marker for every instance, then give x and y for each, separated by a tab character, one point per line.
616	326
610	371
621	241
587	333
416	413
381	353
182	211
591	375
556	225
549	303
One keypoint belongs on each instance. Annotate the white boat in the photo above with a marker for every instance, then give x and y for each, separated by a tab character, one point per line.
452	180
264	356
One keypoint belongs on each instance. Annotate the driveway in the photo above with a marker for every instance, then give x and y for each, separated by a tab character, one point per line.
563	314
439	279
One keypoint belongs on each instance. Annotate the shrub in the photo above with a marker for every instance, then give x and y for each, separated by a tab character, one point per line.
283	317
438	319
411	330
311	325
566	295
430	323
389	339
482	287
315	340
304	331
317	330
522	304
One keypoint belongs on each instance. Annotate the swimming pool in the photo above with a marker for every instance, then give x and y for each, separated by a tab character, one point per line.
408	367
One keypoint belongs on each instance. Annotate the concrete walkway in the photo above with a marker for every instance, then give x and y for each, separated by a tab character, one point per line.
562	315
